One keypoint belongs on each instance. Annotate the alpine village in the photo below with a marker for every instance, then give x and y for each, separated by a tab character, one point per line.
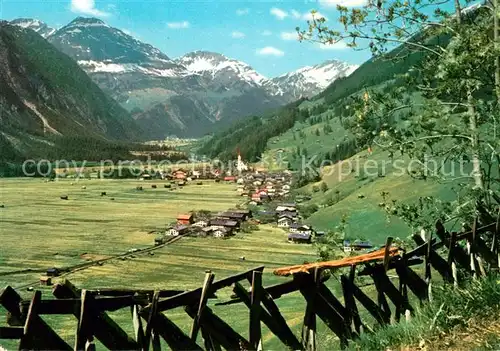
250	175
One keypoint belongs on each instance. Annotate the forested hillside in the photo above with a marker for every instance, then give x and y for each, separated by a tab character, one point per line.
47	100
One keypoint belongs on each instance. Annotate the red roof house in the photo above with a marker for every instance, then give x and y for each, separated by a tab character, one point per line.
185	219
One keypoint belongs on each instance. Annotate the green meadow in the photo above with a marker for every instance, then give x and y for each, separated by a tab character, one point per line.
39	230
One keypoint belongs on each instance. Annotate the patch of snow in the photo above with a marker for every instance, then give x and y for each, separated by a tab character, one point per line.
96	66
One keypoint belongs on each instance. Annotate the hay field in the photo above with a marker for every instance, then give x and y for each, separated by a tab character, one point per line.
39	230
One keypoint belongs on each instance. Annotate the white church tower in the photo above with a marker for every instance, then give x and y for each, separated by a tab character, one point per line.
240	165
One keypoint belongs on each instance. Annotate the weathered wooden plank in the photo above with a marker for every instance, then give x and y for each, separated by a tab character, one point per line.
271	317
481	230
451	258
352	314
107	331
209	342
193	296
437	262
255	311
387	287
309	291
11	332
155	341
206	290
289	337
86	321
135	292
459	255
495	241
11	301
31	327
369	304
152	314
137	322
387	257
412	280
71	306
220	331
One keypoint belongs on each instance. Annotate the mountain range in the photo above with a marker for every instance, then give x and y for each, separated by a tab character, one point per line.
187	96
45	96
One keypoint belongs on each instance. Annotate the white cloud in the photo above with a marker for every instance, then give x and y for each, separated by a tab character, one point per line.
346	3
178	25
289	36
278	13
87	7
308	16
237	35
242	12
266	33
335	46
296	14
270	51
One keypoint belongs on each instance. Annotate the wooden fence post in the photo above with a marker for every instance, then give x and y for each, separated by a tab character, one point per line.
255	310
151	320
30	327
205	293
86	322
496	239
451	259
309	324
428	277
138	330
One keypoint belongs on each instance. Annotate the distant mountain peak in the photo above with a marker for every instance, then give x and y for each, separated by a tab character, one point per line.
38	26
87	21
311	80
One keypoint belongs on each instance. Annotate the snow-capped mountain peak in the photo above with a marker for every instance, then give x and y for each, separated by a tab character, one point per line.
310	80
38	26
206	62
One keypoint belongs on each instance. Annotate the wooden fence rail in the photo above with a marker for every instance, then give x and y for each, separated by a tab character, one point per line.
474	252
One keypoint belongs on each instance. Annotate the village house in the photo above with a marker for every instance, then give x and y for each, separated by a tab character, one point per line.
201	223
300	228
356	246
248	213
256	198
285	221
45	281
292	215
177	230
291	207
234	225
53	272
179	174
229	179
299	238
235	216
206	231
221	232
185	219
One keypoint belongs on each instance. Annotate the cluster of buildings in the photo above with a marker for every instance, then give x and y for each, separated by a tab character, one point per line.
263	187
220	225
287	217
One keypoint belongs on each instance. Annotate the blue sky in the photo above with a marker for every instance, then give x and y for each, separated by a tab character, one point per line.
260	33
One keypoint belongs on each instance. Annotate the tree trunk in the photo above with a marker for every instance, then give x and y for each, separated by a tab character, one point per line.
458	11
496	41
476	162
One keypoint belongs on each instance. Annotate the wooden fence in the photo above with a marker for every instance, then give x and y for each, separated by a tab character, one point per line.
474	252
